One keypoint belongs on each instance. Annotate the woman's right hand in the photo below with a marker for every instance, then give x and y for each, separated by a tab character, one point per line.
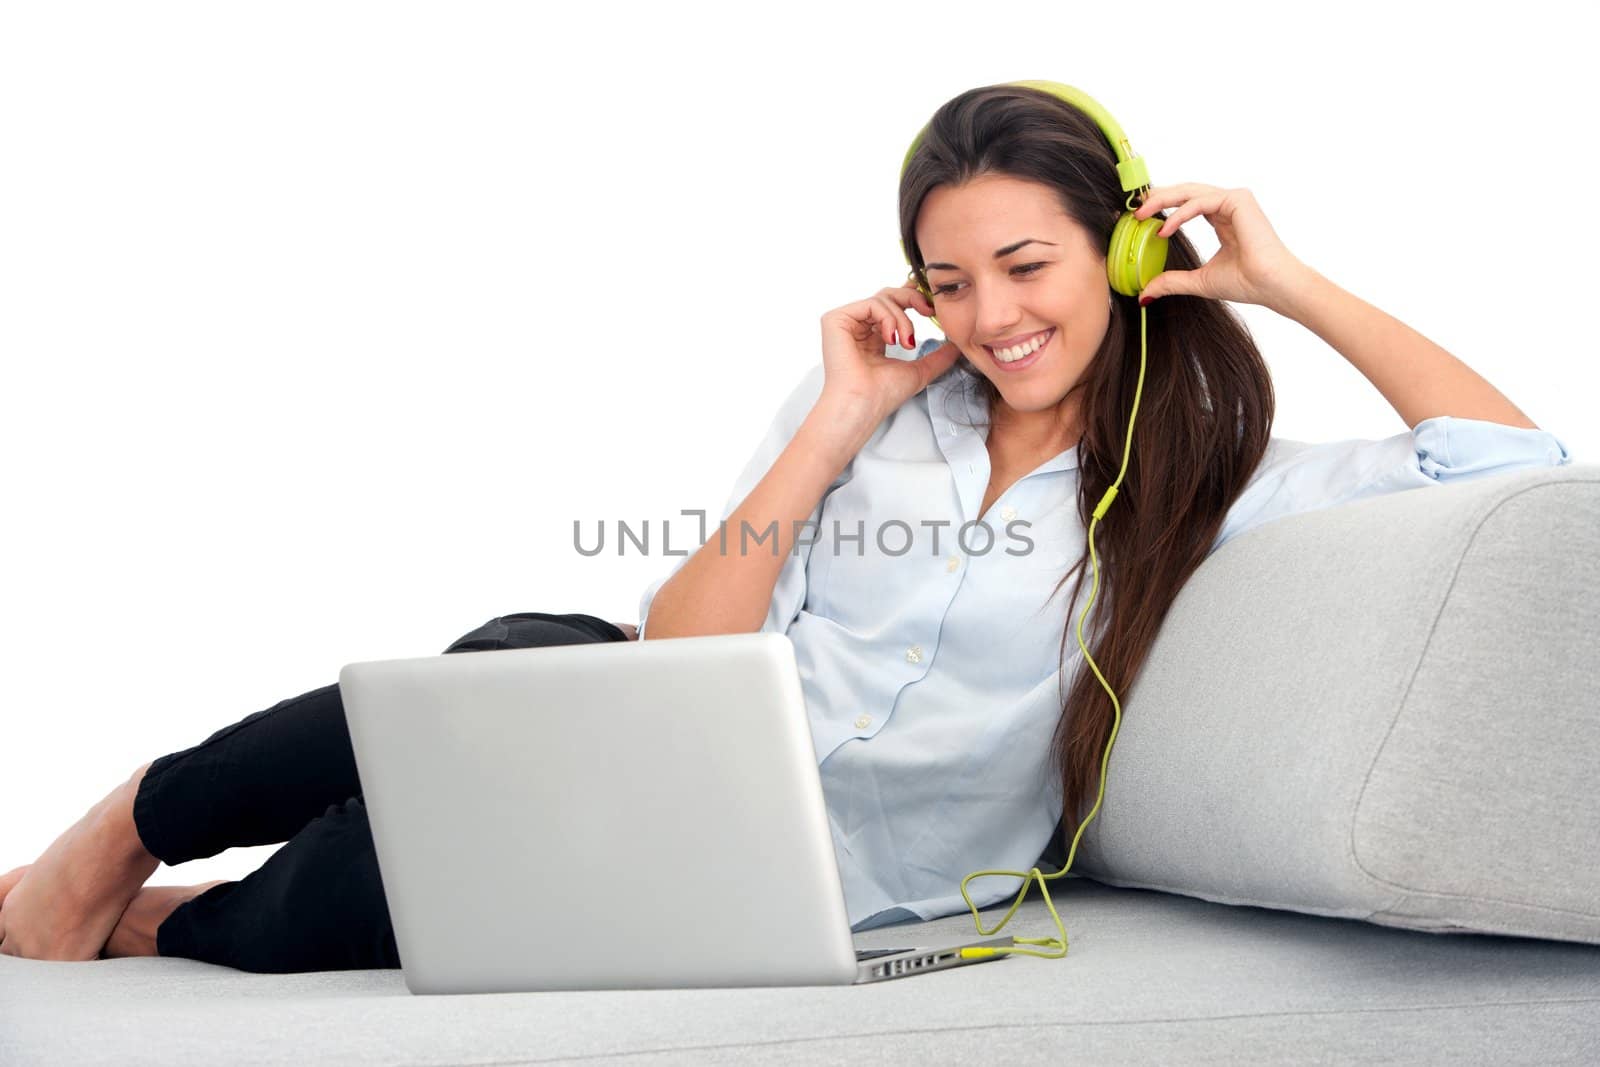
858	376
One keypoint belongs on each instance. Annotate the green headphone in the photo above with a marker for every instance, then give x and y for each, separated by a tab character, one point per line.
1137	253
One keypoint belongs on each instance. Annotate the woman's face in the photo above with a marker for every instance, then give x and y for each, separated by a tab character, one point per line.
1057	284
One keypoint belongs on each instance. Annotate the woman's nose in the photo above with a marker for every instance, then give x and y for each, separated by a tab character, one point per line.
996	316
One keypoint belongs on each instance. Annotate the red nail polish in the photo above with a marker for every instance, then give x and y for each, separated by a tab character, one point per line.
1145	301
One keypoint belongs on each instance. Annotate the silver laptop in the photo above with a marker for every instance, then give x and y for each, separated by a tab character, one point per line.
625	815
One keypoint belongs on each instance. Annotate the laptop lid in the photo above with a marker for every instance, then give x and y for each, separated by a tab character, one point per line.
601	816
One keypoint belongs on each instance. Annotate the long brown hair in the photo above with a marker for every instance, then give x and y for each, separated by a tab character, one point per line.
1205	413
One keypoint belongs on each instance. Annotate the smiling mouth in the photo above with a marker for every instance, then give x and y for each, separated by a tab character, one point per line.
1040	340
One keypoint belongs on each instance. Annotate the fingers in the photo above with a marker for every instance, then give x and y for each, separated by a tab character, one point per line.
1191	198
885	313
919	300
877	315
895	301
909	295
1161	196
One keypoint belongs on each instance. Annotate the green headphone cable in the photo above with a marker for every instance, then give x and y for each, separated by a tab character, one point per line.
1059	945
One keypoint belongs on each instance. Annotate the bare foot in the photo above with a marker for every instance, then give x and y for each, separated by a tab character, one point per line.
68	901
135	934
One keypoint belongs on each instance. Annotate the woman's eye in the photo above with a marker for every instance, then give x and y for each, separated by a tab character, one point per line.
1026	268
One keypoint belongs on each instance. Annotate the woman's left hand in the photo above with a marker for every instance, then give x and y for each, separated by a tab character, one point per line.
1251	267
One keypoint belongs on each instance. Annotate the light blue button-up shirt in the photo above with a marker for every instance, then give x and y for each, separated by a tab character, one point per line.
929	656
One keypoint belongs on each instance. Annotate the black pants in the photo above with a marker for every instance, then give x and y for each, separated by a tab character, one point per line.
287	774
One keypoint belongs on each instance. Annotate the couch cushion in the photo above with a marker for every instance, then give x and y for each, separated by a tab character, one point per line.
1385	710
1148	978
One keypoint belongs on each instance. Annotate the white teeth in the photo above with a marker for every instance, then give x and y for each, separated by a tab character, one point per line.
1011	355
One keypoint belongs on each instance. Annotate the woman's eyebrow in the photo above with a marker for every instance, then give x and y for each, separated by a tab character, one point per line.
999	253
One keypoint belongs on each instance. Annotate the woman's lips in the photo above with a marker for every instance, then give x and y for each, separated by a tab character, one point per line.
1026	361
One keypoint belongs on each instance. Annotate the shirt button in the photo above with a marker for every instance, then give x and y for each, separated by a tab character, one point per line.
914	654
952	563
863	721
1008	513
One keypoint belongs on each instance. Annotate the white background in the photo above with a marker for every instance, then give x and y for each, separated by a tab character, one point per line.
322	322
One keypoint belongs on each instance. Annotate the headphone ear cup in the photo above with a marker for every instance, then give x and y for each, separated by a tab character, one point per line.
1137	253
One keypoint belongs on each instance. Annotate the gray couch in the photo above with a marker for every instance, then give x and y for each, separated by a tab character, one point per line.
1349	817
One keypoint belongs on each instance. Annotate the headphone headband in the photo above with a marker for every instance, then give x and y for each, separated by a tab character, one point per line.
1131	169
1137	253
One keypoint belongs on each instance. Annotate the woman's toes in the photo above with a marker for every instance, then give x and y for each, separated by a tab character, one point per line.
10	879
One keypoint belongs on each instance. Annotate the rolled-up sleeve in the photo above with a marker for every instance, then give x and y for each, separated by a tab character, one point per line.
790	592
1296	477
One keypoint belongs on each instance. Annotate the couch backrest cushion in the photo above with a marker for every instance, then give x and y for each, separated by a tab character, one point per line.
1387	710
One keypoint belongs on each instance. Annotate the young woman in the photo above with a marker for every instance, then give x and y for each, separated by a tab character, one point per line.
926	511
